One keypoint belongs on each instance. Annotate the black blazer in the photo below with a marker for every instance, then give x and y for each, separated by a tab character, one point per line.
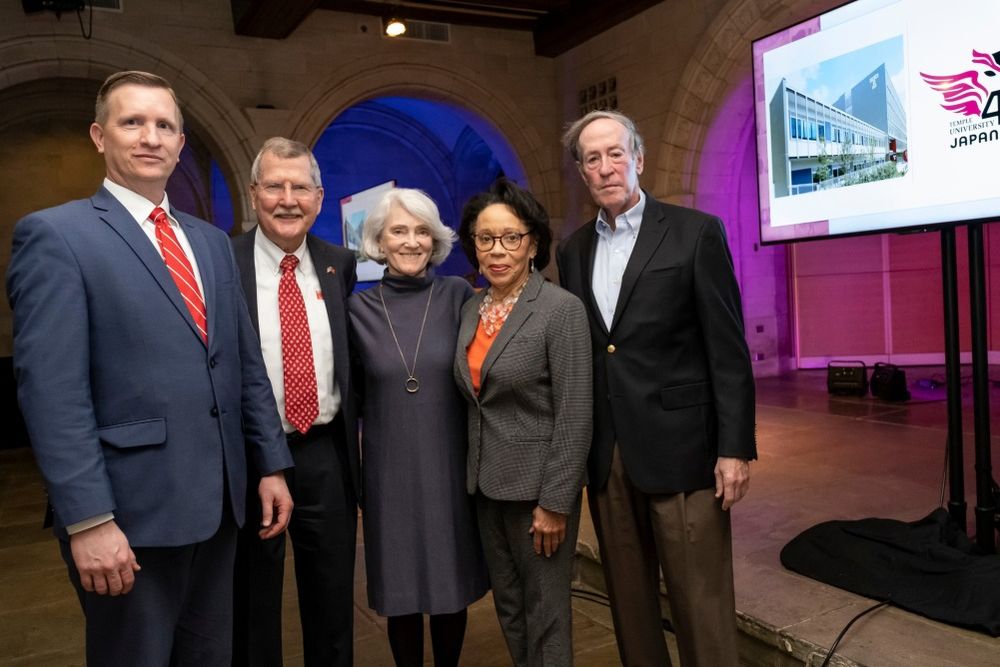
673	384
336	270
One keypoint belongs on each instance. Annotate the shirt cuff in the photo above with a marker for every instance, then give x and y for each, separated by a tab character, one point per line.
93	521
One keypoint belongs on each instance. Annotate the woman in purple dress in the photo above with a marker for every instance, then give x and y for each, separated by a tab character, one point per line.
422	550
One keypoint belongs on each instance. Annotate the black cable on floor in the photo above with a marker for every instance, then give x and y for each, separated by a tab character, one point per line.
591	596
836	642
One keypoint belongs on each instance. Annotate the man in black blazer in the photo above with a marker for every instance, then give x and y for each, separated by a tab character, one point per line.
673	400
297	287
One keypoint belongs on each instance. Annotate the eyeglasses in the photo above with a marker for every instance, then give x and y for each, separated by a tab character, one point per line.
277	190
509	240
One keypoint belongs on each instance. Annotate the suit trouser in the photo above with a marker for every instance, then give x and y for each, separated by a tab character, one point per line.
323	532
531	593
179	613
687	535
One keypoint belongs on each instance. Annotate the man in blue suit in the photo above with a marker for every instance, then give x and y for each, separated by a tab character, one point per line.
142	385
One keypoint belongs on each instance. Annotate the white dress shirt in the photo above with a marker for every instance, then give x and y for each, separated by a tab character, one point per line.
139	208
614	247
267	263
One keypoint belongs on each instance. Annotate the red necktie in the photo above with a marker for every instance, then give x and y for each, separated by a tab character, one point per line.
301	401
180	270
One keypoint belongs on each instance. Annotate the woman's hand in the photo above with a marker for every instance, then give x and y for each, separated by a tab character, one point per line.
549	529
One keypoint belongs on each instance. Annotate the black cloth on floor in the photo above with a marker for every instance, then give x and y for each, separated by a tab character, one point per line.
929	567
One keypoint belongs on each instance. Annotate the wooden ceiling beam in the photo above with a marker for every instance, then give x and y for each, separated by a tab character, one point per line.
557	25
560	31
520	6
273	20
422	13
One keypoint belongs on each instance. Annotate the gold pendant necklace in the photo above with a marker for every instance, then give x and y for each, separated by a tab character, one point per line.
412	384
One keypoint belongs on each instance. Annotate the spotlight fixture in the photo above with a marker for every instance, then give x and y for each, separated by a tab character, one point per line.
394	27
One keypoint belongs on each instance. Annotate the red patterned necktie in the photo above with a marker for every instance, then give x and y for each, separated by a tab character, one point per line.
180	270
301	401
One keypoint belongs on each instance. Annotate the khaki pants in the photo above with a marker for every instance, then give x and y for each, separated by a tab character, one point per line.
689	537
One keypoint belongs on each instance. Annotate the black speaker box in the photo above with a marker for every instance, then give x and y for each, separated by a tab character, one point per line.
847	378
889	383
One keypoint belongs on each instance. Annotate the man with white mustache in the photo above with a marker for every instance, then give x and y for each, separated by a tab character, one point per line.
296	287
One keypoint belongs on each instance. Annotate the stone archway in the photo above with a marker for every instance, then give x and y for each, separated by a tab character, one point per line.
707	160
455	85
720	64
53	89
207	110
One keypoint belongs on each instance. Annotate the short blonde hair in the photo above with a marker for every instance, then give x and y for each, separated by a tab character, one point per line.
133	78
421	207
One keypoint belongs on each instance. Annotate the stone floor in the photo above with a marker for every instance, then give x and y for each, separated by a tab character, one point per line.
821	458
825	458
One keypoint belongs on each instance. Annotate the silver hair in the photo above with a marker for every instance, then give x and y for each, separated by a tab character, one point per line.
571	139
286	149
421	207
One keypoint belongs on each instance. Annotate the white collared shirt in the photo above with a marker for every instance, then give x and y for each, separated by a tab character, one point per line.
267	262
614	247
140	208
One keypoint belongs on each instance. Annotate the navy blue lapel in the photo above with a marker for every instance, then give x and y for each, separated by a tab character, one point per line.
243	250
121	221
206	269
654	228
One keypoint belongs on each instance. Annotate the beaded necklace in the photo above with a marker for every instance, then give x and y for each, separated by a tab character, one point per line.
493	313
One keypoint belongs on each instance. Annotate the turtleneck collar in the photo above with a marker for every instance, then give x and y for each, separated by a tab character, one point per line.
404	283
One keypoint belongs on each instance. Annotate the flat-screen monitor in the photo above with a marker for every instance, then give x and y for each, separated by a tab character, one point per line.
880	115
354	210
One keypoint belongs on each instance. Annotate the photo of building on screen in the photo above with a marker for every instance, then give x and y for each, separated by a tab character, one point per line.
858	138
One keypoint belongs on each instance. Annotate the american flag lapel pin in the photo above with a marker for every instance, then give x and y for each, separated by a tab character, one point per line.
330	269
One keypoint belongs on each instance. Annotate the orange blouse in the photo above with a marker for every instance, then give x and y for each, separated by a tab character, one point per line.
476	354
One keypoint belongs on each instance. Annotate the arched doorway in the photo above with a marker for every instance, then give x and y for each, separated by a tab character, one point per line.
708	159
726	186
448	152
47	158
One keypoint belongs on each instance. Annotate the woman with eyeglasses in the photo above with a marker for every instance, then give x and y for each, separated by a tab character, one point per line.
523	362
422	550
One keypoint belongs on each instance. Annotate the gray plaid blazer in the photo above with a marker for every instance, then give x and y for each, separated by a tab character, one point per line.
530	426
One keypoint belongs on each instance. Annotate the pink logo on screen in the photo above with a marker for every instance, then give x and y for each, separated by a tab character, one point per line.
963	92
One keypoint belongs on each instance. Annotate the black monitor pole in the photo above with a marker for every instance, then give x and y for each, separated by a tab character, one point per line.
953	378
985	502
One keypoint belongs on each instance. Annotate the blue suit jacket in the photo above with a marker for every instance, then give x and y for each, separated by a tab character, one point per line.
127	409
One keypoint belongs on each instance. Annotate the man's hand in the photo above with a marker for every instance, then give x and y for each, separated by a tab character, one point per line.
275	505
732	480
106	563
549	529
